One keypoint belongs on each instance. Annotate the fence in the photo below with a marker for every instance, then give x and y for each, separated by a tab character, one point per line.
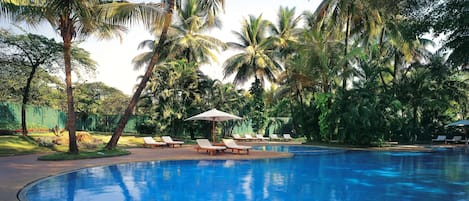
44	118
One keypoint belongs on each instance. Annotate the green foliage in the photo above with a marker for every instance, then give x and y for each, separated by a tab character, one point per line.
323	104
257	114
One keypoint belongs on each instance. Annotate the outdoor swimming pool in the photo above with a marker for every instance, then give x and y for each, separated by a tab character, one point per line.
312	174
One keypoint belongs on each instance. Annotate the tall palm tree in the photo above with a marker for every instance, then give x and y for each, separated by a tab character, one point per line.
285	31
257	59
74	19
188	40
349	19
211	9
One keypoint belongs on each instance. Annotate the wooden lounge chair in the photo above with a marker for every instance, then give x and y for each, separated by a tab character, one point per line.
287	137
274	137
204	144
231	144
261	138
150	142
238	137
456	139
168	140
249	137
440	138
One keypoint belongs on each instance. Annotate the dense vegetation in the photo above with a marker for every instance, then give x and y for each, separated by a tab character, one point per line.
360	72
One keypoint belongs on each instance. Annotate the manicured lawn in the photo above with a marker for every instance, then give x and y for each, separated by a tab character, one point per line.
18	145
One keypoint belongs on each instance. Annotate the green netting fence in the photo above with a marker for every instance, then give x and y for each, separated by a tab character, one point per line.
44	118
37	118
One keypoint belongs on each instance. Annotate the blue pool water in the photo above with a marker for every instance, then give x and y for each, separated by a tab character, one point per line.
313	174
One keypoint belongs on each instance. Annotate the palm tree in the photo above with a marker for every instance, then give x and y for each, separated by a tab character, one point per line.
211	9
349	19
188	40
257	58
285	31
185	38
78	19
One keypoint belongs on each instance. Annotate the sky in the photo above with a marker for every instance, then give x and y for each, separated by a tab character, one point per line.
114	56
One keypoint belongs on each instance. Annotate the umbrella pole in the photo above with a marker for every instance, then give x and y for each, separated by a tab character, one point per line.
213	131
465	134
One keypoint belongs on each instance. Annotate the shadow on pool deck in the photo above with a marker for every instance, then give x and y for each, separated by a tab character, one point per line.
18	171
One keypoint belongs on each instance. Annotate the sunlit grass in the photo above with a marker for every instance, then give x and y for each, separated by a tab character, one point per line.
17	145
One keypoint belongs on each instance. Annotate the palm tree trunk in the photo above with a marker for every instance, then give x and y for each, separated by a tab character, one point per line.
67	38
24	127
133	102
347	35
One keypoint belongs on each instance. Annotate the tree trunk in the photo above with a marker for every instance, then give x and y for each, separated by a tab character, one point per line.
347	35
67	39
24	127
133	102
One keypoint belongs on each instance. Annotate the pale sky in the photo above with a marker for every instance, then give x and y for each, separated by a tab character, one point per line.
114	57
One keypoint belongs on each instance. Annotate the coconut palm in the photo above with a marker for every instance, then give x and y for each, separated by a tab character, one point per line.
185	38
188	40
211	9
257	59
285	31
350	20
78	19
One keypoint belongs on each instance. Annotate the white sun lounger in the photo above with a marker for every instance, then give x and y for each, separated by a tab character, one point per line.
231	144
287	137
456	139
150	142
204	144
249	137
274	137
440	138
168	140
261	138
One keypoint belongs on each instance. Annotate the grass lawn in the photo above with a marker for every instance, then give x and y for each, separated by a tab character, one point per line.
11	145
17	145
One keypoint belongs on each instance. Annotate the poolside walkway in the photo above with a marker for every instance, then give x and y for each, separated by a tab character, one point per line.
18	171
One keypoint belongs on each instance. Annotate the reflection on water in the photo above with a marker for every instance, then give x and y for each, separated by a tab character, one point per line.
345	175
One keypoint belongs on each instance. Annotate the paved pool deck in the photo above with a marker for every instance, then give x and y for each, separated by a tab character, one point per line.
18	171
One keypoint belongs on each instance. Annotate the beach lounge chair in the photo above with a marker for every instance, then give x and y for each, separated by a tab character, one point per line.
150	142
456	139
261	138
238	137
440	138
287	137
204	144
231	144
248	137
168	140
274	137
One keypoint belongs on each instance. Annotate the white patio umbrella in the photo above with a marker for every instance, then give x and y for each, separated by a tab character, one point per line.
214	115
462	123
